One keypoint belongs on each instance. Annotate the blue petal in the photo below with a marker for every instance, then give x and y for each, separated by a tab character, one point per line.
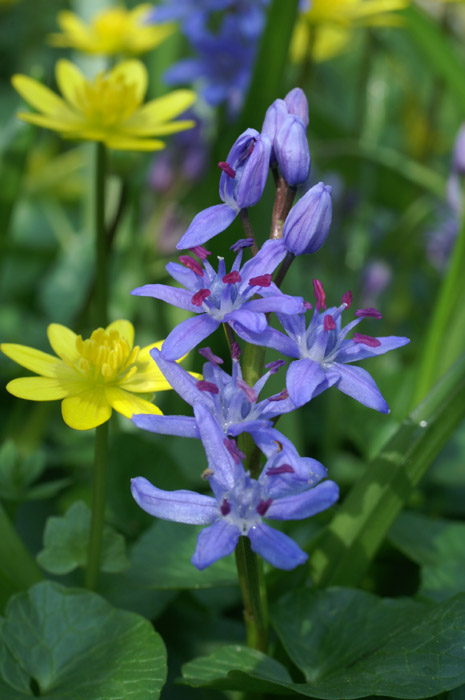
183	426
270	338
275	547
305	504
266	261
182	382
284	303
185	276
207	224
179	506
303	379
225	471
255	322
187	335
215	542
356	382
174	296
351	351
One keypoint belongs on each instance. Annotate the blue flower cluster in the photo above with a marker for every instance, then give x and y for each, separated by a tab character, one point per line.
321	351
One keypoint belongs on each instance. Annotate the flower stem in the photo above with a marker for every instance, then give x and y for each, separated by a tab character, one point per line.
98	506
101	274
251	587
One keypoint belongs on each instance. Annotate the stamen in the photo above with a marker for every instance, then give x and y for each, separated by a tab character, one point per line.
241	243
261	281
225	508
207	473
248	391
307	306
226	168
201	252
263	506
232	277
211	388
329	323
282	469
200	296
235	350
191	264
208	354
366	340
368	313
319	293
347	298
273	367
280	397
278	445
233	450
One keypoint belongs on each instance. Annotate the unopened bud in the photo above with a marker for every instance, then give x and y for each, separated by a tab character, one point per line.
296	103
307	226
292	152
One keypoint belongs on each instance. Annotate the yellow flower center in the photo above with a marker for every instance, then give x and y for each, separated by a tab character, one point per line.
106	357
108	100
111	25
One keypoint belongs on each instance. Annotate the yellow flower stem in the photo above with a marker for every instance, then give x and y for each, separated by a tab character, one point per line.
98	506
101	273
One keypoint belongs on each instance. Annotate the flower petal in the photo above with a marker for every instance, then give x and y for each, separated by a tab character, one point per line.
124	328
217	541
39	96
276	547
284	303
182	382
182	426
178	506
207	224
37	388
270	338
220	461
351	352
133	73
127	403
174	296
187	335
305	504
71	82
121	142
30	358
160	110
86	410
251	320
66	125
157	129
303	379
356	382
63	342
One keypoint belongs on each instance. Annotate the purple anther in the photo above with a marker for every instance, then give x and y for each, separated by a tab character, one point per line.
225	508
200	296
210	356
203	385
241	243
248	391
273	367
368	313
235	350
366	340
282	469
232	277
191	264
226	168
329	324
261	280
263	506
347	298
307	305
319	293
233	450
201	252
284	394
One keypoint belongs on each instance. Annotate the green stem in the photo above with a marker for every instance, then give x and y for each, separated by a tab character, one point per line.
251	586
101	276
98	506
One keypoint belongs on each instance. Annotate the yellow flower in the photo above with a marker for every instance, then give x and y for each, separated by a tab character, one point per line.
92	376
112	31
108	108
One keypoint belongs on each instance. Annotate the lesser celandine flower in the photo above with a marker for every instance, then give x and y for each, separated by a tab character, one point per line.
114	30
108	109
92	376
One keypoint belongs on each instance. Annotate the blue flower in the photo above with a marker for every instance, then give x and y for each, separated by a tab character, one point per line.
324	354
239	505
241	185
307	226
220	297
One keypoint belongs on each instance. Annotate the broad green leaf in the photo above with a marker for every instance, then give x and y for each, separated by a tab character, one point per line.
66	540
438	546
18	474
71	644
345	549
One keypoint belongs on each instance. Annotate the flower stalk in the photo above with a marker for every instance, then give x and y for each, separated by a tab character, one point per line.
98	506
251	589
101	276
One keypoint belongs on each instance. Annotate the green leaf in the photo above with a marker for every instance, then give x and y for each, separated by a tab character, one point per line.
66	540
18	474
438	546
71	644
161	559
346	547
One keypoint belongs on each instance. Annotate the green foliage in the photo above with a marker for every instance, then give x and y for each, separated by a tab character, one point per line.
18	475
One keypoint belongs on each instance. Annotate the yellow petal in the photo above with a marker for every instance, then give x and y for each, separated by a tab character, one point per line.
125	330
163	109
86	410
128	404
39	96
71	23
147	129
70	81
35	360
134	72
70	123
37	388
330	41
63	342
126	143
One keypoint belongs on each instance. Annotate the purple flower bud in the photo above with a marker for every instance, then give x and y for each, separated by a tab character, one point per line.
248	159
275	117
296	103
458	154
307	226
292	152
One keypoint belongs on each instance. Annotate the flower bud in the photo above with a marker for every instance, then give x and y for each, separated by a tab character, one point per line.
458	154
274	119
296	103
307	226
292	152
243	183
